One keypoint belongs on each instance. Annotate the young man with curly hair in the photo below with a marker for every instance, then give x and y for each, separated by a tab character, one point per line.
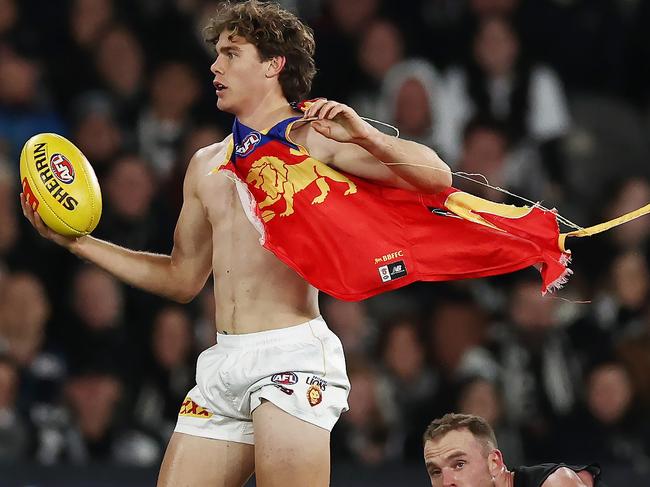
271	389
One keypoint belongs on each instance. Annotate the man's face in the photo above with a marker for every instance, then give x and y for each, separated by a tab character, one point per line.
239	74
457	459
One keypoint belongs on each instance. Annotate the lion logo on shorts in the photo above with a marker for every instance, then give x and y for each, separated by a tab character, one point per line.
314	395
280	180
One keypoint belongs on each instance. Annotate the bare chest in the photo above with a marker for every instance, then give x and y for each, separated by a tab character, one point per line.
222	206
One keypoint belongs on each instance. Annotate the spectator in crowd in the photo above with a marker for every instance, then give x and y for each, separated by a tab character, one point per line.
14	428
165	121
380	48
96	131
129	217
135	216
170	373
631	194
621	310
404	355
8	19
582	39
456	334
414	384
33	398
15	29
487	153
370	434
25	109
25	311
95	397
610	426
536	362
339	28
96	330
87	20
483	397
412	99
351	323
9	229
499	81
627	194
633	353
120	65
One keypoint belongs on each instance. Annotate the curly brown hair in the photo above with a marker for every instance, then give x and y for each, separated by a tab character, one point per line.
274	31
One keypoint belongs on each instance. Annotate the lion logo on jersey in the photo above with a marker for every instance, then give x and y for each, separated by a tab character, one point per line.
280	180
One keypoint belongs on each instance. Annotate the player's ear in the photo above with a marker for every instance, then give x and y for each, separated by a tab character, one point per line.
275	66
496	465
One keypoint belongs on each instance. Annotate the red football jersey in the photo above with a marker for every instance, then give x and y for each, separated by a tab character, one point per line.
353	238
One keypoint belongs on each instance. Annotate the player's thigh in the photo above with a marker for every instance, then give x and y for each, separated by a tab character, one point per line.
194	461
288	451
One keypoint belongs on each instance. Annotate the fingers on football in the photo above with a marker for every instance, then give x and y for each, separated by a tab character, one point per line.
40	226
27	209
32	216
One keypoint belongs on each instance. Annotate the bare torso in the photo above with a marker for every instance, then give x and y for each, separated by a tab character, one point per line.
253	290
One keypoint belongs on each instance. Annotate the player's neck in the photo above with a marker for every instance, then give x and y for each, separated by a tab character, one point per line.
266	112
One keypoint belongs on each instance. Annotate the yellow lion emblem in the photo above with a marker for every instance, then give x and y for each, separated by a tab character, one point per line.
283	181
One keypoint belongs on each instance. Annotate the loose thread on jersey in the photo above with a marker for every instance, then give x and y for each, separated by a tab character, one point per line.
487	184
572	301
382	123
367	119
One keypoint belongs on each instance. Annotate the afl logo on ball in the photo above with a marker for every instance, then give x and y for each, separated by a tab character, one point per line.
62	168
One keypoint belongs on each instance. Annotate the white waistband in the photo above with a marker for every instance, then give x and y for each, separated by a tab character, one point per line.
311	329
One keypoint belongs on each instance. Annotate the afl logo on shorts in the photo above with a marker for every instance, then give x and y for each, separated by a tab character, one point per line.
62	168
248	144
285	378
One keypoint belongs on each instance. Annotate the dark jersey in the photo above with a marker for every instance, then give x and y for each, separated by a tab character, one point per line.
536	475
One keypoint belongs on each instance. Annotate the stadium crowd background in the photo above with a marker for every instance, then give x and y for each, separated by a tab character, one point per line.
549	99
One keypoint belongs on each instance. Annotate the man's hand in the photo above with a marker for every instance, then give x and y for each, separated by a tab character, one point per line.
35	219
339	122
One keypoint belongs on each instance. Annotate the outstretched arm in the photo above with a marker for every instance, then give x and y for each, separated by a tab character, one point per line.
179	276
341	138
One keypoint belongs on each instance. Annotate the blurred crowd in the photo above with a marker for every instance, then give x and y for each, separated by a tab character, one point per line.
547	99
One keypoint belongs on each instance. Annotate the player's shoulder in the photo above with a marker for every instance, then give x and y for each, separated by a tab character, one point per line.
211	151
567	477
211	155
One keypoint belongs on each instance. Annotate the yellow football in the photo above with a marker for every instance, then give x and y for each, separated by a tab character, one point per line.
60	184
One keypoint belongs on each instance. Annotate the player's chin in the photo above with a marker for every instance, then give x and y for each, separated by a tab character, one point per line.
223	105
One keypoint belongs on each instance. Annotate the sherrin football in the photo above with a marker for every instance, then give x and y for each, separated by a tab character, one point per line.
60	184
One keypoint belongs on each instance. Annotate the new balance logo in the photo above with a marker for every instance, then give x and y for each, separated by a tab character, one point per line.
392	271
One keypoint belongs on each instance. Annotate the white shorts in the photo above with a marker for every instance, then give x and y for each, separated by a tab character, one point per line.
300	369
